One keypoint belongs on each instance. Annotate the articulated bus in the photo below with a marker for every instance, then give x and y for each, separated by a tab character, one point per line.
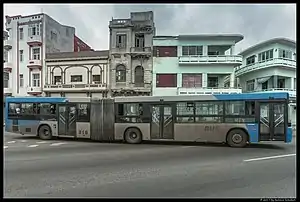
235	119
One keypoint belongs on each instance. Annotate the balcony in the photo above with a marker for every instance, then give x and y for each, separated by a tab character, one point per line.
34	90
7	91
7	44
283	62
33	64
7	66
292	92
211	59
119	86
136	51
116	23
207	91
35	40
75	88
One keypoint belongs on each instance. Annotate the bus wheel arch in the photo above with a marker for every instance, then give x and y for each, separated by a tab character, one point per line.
133	135
237	137
44	132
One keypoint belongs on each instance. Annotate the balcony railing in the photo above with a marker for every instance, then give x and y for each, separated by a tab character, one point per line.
7	91
120	22
34	40
74	87
140	50
207	91
34	64
34	90
265	64
7	44
207	59
7	66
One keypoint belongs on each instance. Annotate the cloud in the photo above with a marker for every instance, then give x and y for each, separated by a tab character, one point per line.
257	22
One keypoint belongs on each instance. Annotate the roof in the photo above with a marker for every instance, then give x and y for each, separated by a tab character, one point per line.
284	41
236	37
81	54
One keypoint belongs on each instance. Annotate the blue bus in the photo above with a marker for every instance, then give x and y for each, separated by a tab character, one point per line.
234	119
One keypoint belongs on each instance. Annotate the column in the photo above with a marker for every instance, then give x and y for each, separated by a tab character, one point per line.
275	80
232	50
232	77
205	50
204	80
292	83
255	84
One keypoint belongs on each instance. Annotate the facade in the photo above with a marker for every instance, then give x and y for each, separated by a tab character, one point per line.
30	39
77	74
194	64
131	54
270	66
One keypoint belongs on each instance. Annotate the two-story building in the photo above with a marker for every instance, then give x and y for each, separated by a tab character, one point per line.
131	54
77	74
194	64
270	66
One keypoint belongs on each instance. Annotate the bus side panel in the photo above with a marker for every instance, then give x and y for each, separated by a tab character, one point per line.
53	126
9	125
289	135
204	132
83	130
120	129
252	129
28	127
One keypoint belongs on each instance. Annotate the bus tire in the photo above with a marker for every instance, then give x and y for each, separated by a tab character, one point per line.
237	138
45	132
133	136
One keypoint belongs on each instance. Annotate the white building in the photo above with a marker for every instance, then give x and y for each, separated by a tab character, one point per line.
30	39
77	74
195	64
270	66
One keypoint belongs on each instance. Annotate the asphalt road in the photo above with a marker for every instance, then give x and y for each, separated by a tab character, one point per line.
66	168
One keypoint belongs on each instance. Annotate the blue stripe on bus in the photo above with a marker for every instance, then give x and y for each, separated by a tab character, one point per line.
253	132
35	99
289	134
252	96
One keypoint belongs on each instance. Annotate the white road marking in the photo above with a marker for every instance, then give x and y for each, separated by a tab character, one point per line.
189	146
10	142
23	140
42	142
57	144
5	147
33	145
270	157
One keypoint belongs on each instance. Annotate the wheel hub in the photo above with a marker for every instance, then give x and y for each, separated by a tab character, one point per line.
237	138
133	135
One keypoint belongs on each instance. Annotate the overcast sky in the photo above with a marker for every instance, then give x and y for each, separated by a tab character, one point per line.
257	22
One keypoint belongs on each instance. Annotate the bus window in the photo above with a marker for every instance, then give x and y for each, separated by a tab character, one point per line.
185	112
83	112
235	107
27	108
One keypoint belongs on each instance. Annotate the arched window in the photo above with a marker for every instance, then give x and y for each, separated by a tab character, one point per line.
139	76
120	73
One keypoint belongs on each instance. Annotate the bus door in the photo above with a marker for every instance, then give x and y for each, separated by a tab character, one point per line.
273	120
162	124
67	119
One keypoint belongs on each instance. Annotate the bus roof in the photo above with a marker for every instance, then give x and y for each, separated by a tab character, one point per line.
241	96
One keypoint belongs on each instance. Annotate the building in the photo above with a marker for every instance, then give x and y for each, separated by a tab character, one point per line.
130	54
30	39
270	66
77	74
79	45
194	64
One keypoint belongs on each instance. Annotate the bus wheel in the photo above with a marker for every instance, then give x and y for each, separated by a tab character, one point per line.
133	136
45	132
237	138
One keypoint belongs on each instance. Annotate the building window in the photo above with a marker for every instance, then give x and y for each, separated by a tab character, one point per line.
21	55
36	53
53	36
250	85
76	78
165	51
97	79
212	82
139	40
166	80
191	80
5	79
192	50
121	40
21	33
139	76
285	54
5	55
280	83
57	80
34	30
21	80
121	73
265	55
36	80
264	85
250	60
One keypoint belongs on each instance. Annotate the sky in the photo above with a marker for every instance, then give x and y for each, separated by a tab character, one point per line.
256	22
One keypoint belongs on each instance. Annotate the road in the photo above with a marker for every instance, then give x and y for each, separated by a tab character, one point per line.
67	168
